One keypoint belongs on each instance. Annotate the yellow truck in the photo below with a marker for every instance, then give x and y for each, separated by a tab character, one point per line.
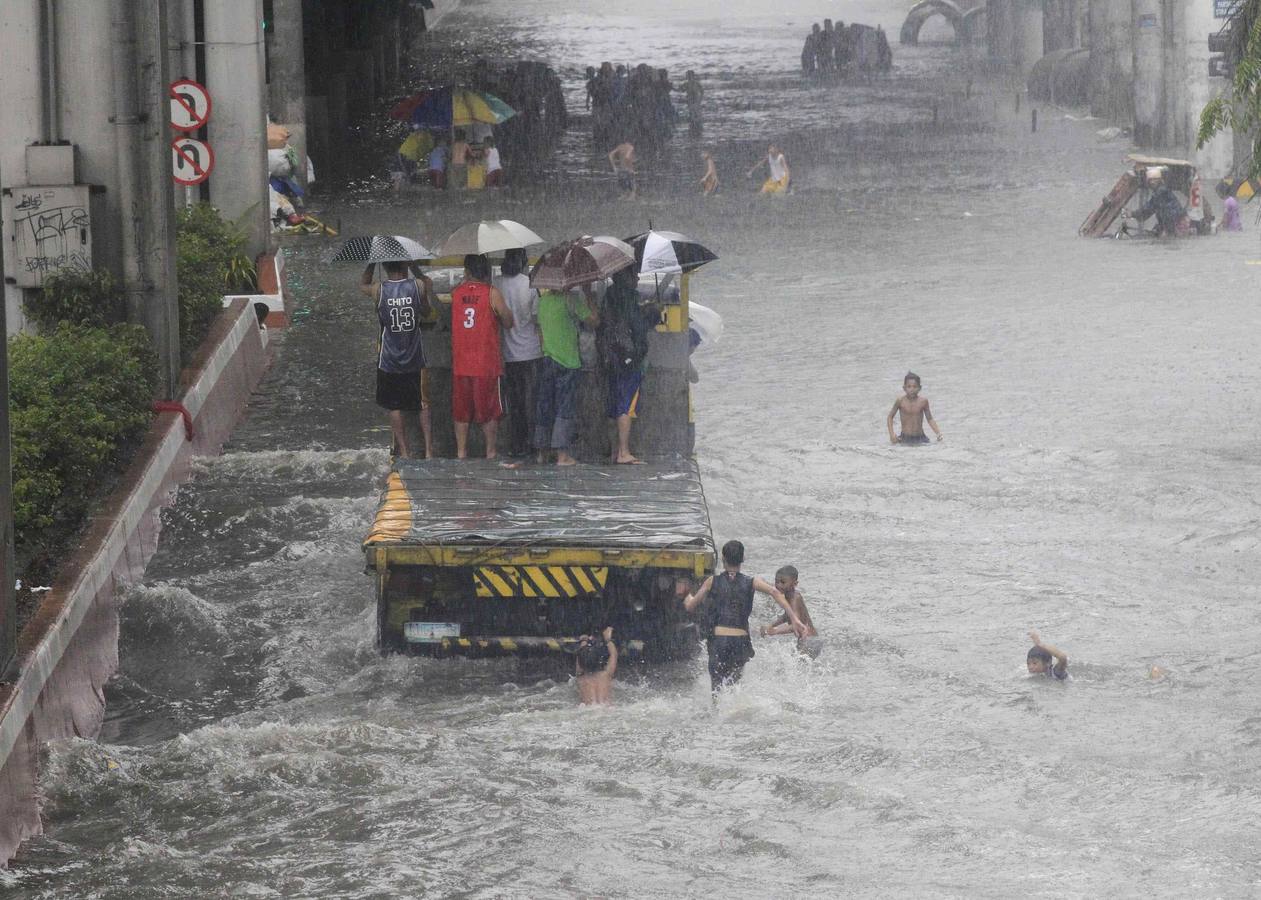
472	558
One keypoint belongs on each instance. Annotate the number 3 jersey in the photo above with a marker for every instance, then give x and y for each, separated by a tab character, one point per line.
474	332
398	308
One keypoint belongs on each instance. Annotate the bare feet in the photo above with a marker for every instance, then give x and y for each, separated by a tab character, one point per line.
564	459
629	460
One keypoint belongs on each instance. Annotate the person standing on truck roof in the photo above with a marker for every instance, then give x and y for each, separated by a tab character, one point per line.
623	343
477	312
401	302
727	616
555	412
523	353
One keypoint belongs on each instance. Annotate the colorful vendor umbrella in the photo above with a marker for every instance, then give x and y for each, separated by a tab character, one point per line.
446	107
668	252
581	261
381	248
488	237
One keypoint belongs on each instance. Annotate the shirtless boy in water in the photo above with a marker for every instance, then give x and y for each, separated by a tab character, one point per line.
913	410
786	582
595	667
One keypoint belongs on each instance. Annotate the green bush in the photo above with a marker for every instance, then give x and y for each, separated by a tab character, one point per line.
210	262
78	396
78	296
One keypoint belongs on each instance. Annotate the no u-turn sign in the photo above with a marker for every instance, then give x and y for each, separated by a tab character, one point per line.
191	160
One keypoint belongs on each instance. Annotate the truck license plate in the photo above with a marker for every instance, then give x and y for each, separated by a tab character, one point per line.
430	632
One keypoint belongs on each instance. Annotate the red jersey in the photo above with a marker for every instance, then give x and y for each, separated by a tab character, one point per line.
474	332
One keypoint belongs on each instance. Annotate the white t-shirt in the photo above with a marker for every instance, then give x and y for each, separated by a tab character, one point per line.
520	342
492	159
779	167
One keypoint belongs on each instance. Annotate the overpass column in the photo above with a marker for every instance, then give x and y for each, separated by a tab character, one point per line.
238	125
998	29
1149	70
1027	44
288	76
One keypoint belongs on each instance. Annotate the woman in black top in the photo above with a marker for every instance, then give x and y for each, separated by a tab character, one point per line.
727	615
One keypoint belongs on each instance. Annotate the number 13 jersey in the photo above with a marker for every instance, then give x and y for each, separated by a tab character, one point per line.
474	332
398	309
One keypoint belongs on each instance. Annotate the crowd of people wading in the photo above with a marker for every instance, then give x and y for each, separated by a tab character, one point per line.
832	51
635	105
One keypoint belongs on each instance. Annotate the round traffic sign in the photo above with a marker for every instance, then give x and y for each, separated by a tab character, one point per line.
190	105
191	160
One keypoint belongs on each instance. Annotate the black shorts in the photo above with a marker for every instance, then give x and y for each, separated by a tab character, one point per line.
912	439
727	656
398	390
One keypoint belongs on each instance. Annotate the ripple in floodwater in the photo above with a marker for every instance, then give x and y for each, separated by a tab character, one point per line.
1096	482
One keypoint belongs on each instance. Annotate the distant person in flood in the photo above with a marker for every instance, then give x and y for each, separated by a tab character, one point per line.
494	168
695	94
478	311
1043	659
1231	220
779	176
808	643
1163	203
438	164
709	181
622	159
459	160
912	409
594	667
402	301
730	603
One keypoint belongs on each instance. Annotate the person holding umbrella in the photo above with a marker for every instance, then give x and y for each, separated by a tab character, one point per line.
478	311
401	302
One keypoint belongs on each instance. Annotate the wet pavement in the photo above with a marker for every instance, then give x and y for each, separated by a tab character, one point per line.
1097	482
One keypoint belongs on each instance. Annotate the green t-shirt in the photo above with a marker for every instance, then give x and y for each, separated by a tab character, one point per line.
559	315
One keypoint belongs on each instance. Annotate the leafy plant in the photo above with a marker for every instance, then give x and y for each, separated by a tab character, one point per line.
1241	109
78	395
210	262
78	296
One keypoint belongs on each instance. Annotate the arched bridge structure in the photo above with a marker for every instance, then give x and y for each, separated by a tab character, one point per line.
966	23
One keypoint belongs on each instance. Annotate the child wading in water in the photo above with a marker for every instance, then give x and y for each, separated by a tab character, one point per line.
595	667
1040	656
809	643
912	410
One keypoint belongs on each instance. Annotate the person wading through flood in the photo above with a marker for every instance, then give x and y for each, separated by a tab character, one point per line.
477	312
730	595
401	302
779	176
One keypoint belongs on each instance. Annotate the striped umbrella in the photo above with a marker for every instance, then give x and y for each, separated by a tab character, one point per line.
668	252
380	248
581	261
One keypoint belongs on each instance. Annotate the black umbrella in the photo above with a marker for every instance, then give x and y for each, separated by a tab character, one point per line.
381	248
668	253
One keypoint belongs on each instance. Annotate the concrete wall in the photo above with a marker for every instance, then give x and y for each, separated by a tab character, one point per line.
70	648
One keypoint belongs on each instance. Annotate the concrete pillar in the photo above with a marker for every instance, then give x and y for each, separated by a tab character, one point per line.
998	30
238	125
1149	71
288	76
1027	42
1060	25
1175	114
1111	60
1217	157
22	120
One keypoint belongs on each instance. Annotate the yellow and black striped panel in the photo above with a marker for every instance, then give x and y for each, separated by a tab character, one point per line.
539	581
495	644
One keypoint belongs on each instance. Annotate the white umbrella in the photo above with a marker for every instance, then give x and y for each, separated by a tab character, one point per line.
705	322
488	237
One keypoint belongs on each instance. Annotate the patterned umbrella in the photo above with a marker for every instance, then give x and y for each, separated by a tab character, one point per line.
668	252
380	248
581	261
488	237
446	107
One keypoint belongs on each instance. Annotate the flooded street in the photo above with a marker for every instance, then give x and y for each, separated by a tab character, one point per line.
1097	482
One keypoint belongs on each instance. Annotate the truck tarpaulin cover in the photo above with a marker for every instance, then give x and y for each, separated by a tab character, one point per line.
656	505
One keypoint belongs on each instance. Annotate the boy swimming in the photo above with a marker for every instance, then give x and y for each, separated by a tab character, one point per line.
595	666
912	410
1043	659
809	643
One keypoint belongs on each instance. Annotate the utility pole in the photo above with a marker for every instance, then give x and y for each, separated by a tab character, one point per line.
288	77
8	600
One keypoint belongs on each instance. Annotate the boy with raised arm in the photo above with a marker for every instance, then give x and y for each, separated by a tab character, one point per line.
912	409
595	666
1040	656
808	643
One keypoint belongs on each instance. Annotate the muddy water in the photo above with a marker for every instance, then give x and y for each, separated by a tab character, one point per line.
1096	482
